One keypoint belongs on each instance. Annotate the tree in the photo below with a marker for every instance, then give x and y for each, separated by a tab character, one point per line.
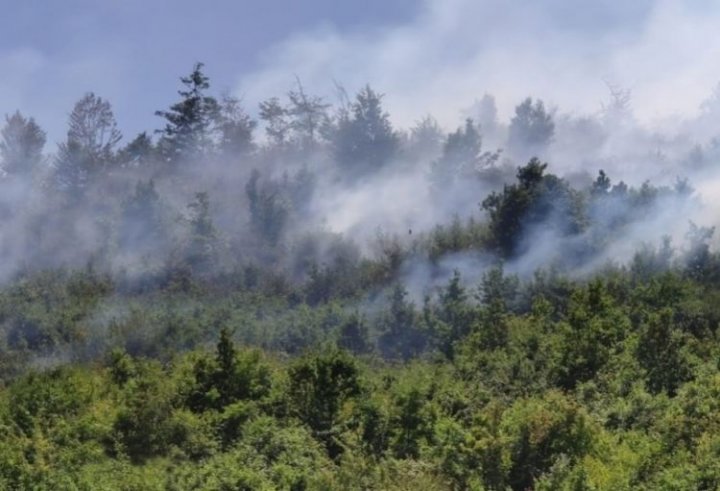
319	386
202	247
90	145
454	314
461	156
228	377
413	422
188	132
531	129
660	351
401	338
141	227
21	145
354	335
537	199
268	211
308	114
235	128
276	124
139	152
698	259
364	139
425	141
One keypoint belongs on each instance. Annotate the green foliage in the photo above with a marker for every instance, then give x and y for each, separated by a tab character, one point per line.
363	139
319	386
537	198
228	378
402	337
189	121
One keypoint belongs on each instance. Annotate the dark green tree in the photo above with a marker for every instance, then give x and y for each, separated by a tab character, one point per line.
268	209
454	314
190	122
411	423
202	247
537	199
402	337
228	377
319	386
364	140
661	353
353	335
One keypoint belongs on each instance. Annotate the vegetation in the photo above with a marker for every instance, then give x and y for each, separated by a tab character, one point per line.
166	324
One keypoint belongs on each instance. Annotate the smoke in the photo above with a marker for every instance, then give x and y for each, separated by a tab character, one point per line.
564	52
629	89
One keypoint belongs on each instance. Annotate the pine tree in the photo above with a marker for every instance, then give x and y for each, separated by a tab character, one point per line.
190	122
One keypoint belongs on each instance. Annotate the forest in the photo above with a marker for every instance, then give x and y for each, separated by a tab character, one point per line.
302	296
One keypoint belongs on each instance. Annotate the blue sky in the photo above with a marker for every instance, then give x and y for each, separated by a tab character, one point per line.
427	55
132	52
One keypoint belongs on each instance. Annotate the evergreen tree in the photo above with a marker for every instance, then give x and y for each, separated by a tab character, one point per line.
21	145
401	338
190	122
364	140
202	251
268	210
354	335
138	153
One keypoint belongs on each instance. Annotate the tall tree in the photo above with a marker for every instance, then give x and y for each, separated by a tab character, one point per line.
401	338
21	144
268	209
188	132
531	129
461	155
90	145
364	139
274	115
202	247
308	114
236	129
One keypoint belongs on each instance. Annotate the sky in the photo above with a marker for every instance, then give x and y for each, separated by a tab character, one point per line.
434	56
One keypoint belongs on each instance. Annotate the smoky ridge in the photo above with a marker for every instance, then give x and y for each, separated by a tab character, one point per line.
320	199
